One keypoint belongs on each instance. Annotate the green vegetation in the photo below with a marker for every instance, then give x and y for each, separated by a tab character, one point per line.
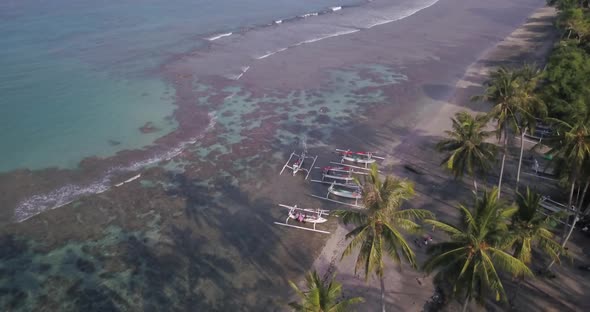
377	232
472	258
467	150
515	104
493	236
530	229
321	296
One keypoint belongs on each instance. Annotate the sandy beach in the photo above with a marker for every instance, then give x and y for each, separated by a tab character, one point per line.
406	289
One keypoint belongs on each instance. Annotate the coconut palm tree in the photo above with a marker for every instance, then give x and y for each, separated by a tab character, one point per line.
321	296
530	228
472	258
467	150
531	107
513	100
377	227
571	144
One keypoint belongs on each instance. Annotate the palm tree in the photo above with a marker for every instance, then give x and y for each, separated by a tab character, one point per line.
513	100
321	296
529	228
468	151
472	258
377	227
572	146
531	107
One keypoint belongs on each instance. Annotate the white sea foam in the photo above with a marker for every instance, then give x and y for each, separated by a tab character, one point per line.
135	177
340	33
243	69
64	195
270	53
309	14
406	13
219	36
278	22
334	9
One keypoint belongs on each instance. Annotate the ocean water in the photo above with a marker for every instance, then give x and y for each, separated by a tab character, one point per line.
81	78
77	76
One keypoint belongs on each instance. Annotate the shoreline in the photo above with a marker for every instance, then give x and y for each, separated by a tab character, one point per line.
509	51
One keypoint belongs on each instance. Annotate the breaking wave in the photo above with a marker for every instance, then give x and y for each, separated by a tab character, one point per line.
64	195
215	37
309	15
346	32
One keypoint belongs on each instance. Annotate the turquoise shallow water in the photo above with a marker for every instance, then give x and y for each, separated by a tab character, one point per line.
68	112
79	78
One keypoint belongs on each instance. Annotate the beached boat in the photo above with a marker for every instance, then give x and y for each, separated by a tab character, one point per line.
349	191
305	216
362	158
346	191
337	173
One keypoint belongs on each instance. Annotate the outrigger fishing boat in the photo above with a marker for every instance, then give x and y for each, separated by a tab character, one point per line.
298	164
363	158
348	190
342	173
303	216
337	173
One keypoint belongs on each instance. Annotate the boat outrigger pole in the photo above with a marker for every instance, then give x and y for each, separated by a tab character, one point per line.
298	164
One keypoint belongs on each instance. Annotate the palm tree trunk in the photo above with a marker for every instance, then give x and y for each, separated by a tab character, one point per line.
520	158
581	201
569	206
566	238
587	210
503	160
465	304
382	293
577	195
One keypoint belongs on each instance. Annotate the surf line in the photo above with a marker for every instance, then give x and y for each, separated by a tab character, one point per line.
66	194
128	180
219	36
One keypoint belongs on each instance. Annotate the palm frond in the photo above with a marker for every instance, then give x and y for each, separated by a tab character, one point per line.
413	214
394	241
448	228
509	263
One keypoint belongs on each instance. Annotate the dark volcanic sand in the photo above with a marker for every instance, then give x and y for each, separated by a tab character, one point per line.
197	233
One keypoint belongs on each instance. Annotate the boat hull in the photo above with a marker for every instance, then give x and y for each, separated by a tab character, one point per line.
358	160
352	194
